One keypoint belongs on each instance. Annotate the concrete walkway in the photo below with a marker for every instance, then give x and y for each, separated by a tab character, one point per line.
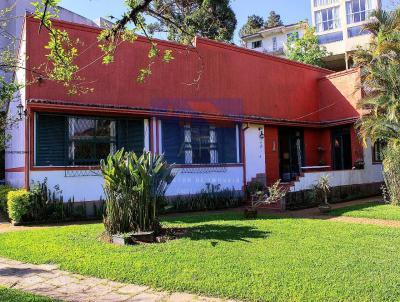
49	281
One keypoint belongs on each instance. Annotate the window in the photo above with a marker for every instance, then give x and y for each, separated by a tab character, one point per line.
318	3
358	10
274	44
293	36
330	38
356	31
77	140
256	44
199	142
327	19
377	151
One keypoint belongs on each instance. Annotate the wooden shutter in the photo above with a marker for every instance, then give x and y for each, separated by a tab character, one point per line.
173	142
51	131
130	135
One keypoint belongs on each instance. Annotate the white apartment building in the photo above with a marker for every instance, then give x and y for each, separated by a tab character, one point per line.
274	40
338	24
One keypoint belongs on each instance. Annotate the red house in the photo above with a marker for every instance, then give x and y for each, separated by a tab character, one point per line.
223	114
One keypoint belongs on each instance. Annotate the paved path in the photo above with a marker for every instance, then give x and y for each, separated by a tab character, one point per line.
48	280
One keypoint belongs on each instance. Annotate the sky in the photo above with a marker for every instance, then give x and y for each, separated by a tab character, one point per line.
291	11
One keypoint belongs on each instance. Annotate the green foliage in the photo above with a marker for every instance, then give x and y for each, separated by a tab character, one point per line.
273	20
321	189
210	198
14	295
391	172
221	254
134	188
306	49
213	19
274	194
3	197
380	69
253	25
18	204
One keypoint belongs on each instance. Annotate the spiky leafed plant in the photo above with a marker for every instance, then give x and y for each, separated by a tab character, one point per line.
380	70
133	187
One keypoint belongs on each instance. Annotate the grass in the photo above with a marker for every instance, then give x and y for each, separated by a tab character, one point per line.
13	295
369	210
269	259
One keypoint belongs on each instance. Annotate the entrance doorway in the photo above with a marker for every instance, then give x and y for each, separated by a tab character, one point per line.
341	149
291	150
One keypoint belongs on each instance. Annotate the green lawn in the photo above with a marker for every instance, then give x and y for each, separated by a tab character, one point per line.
270	259
369	210
13	295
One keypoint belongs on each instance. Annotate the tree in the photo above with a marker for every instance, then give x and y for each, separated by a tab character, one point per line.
254	24
273	20
380	69
213	19
306	49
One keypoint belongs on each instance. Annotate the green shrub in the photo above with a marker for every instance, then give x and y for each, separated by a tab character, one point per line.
210	198
391	172
134	187
3	198
18	204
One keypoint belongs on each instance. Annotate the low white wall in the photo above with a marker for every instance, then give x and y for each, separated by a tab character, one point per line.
255	151
15	179
187	181
372	173
193	180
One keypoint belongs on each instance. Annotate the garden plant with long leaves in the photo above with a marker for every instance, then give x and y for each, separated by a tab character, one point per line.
134	187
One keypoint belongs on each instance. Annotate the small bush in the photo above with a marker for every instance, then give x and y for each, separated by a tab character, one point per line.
210	198
18	204
3	198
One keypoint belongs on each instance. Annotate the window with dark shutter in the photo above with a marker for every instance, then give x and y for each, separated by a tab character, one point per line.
199	142
173	145
51	132
80	140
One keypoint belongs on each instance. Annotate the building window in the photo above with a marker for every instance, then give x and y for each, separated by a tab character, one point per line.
293	36
358	10
327	19
377	151
77	140
256	44
318	3
274	44
330	38
356	31
199	142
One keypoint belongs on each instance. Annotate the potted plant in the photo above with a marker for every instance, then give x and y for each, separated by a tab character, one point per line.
322	189
274	194
359	164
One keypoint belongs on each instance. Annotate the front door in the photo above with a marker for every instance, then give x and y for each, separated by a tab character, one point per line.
291	147
341	149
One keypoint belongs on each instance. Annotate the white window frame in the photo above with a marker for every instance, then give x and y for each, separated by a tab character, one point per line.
335	19
366	11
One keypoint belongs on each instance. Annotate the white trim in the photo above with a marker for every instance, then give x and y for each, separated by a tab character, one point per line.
146	135
154	138
160	146
237	144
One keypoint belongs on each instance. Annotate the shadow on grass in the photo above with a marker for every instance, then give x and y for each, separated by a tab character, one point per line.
228	233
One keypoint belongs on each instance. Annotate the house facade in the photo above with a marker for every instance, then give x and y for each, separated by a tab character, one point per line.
222	114
274	40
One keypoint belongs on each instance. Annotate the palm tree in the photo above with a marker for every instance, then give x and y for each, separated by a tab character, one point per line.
380	70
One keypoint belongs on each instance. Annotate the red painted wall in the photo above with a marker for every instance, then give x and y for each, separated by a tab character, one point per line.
339	95
232	80
271	154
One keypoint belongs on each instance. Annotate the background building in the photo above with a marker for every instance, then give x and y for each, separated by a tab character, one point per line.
273	40
338	24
